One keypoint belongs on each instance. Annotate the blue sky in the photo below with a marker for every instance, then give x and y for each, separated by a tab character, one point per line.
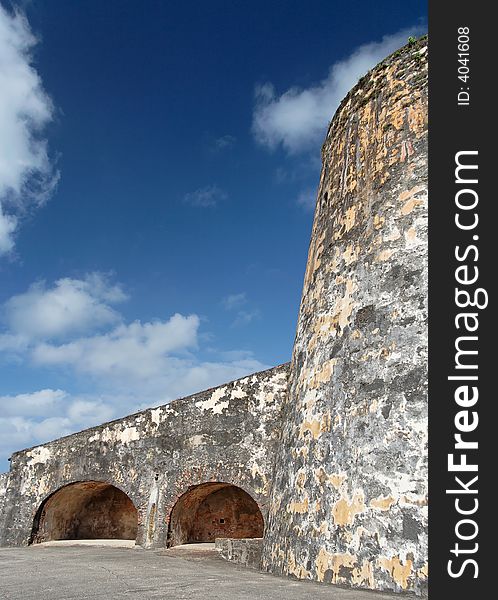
158	165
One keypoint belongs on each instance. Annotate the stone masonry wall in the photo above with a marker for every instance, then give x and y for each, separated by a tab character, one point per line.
349	497
226	434
246	552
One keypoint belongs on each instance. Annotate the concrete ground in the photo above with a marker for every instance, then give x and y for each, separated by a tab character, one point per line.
63	572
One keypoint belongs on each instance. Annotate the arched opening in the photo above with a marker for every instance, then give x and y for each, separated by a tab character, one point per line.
86	510
214	510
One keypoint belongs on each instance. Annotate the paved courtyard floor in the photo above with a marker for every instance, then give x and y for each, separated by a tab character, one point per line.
60	572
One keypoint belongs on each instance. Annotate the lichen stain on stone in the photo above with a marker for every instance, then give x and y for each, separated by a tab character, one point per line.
334	479
363	576
423	572
39	455
155	416
384	255
382	502
343	307
414	500
293	568
115	434
322	374
238	393
333	563
213	403
344	511
378	221
400	572
299	507
316	427
195	441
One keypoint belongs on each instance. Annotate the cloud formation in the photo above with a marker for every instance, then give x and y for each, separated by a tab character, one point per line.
68	306
27	176
72	329
297	119
205	197
234	300
134	352
28	419
244	317
307	199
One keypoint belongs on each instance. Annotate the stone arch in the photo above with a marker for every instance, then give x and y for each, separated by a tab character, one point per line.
214	509
85	510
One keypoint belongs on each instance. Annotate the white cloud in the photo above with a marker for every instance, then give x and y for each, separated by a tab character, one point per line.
36	404
8	224
37	417
298	118
134	352
234	300
205	197
244	317
27	176
307	199
70	305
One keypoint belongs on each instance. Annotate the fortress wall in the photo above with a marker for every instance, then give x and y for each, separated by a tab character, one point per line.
225	434
4	481
349	498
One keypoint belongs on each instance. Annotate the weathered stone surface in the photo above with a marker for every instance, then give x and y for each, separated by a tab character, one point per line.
246	552
227	434
349	496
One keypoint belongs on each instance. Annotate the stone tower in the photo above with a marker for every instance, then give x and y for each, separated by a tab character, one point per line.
349	500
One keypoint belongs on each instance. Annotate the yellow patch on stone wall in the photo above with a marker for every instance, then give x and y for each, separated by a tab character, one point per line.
350	254
327	561
323	374
410	205
423	572
344	511
399	572
409	202
411	234
417	119
301	479
414	500
382	502
314	259
378	221
324	327
384	255
344	306
363	576
316	426
334	479
293	568
350	218
303	451
298	507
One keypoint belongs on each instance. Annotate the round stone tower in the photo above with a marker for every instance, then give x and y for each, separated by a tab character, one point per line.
349	503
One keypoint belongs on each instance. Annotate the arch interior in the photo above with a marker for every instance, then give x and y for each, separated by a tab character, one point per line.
86	510
214	510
